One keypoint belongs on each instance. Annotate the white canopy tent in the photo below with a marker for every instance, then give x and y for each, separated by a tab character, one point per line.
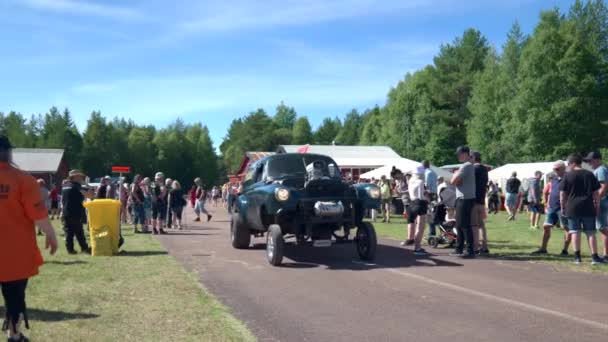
405	165
525	171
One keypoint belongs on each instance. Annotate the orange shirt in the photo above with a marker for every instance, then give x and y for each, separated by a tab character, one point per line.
20	205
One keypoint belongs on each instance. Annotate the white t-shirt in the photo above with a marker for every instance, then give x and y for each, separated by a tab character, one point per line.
416	188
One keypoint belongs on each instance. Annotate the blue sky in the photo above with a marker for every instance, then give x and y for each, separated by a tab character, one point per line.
212	61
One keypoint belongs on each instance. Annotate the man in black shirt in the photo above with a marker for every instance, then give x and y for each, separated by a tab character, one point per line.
579	199
512	195
74	214
479	208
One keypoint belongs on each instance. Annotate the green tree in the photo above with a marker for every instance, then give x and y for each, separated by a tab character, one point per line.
328	131
373	124
96	146
302	132
285	116
351	130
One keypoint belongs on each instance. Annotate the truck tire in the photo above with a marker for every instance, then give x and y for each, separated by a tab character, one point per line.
239	234
366	241
275	245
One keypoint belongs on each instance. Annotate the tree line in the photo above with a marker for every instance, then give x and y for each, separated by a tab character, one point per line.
182	151
544	96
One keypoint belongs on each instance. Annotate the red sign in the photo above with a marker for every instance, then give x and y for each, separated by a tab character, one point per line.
121	169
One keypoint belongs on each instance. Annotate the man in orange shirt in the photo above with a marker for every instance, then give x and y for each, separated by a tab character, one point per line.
21	207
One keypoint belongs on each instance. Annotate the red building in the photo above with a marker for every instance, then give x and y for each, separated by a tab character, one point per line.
48	164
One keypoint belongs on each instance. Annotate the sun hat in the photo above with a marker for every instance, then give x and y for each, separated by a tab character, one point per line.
75	173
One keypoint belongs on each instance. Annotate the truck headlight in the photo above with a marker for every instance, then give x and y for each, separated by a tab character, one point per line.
373	192
281	194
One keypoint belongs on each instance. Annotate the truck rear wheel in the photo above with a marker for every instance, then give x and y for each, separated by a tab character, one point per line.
239	234
366	241
275	245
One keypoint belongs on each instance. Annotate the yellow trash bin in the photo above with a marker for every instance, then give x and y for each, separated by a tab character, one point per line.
104	226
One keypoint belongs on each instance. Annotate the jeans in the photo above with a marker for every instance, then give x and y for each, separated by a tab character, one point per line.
139	214
14	303
73	228
464	209
230	200
199	208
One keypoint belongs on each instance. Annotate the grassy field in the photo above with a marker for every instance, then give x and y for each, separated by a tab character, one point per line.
143	295
512	240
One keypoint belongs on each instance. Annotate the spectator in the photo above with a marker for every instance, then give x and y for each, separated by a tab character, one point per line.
44	194
464	180
601	173
177	203
534	198
512	195
480	236
232	195
102	191
74	214
159	204
192	195
215	195
387	195
430	181
579	198
493	198
137	198
168	185
200	201
555	216
124	202
418	208
21	207
147	201
54	197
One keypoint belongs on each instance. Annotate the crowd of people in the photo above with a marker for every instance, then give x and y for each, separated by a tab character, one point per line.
573	199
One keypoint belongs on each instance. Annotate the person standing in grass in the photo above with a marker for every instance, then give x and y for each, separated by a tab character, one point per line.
480	235
534	197
579	198
386	194
137	198
21	208
54	197
430	182
74	214
512	195
555	216
464	180
159	204
601	173
418	208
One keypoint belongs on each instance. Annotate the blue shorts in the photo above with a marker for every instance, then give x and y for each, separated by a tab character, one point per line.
554	217
601	221
577	224
511	200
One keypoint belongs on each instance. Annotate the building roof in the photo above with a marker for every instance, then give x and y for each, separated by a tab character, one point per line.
353	156
38	159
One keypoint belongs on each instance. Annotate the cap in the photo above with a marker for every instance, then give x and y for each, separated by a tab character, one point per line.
593	156
463	149
159	175
476	155
5	143
107	177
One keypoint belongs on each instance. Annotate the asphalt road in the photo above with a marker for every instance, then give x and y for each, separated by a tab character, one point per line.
327	294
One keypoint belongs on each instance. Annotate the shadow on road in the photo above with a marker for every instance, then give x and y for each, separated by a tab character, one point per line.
341	257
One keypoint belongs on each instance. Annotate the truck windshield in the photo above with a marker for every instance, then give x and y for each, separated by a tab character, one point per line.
295	166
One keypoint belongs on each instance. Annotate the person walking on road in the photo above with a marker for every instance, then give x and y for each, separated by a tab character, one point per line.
555	216
579	198
464	181
177	203
534	197
478	224
601	173
74	214
418	208
512	195
21	208
199	207
159	204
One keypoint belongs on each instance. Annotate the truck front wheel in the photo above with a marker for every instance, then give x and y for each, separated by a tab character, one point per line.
275	245
239	234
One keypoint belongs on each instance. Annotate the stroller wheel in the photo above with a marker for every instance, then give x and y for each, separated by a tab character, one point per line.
433	241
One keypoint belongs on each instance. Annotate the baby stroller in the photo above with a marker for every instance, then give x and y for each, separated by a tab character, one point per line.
447	229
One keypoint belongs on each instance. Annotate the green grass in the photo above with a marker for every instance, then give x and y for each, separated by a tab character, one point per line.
144	295
513	240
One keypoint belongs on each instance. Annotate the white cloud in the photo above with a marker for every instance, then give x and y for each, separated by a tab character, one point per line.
84	8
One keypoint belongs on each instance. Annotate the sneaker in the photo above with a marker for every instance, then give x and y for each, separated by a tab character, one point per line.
162	232
198	219
539	251
457	253
209	218
154	231
409	242
577	260
72	252
469	255
22	338
484	252
420	252
596	260
86	250
605	258
564	253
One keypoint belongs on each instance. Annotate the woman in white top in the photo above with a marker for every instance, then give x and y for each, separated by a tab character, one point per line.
418	209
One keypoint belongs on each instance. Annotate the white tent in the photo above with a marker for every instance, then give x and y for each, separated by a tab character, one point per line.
525	171
405	165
